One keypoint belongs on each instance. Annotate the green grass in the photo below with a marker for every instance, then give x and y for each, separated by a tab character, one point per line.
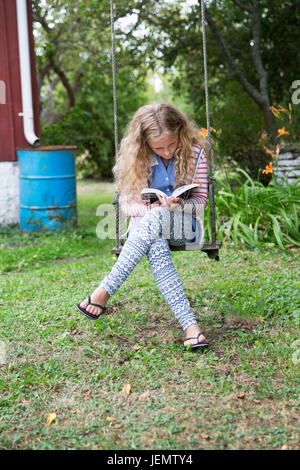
242	393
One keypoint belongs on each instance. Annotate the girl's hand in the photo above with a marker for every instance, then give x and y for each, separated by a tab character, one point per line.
175	203
169	202
164	201
174	200
155	204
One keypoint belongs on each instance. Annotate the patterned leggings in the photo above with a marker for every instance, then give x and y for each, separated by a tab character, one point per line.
149	236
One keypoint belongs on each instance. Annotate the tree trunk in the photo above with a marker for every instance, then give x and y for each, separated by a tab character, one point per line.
259	95
269	122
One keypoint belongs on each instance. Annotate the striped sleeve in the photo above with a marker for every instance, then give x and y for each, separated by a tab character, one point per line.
198	196
133	208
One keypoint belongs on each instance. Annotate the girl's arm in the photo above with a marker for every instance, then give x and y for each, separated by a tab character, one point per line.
133	208
198	196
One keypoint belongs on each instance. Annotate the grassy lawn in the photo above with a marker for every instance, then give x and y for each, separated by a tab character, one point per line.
242	393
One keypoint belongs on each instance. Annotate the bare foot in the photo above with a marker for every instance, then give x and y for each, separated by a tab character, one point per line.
99	296
192	332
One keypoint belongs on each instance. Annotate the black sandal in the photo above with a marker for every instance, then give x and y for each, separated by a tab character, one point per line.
88	314
197	345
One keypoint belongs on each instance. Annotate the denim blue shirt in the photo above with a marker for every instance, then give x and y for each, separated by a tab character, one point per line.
162	178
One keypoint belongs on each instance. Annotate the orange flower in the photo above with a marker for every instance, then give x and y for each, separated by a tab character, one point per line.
277	150
282	131
280	108
263	136
275	111
270	152
269	169
203	132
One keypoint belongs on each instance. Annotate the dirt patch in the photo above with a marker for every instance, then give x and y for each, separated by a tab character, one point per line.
233	322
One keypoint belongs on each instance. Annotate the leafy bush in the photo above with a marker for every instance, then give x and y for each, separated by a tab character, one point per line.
90	123
251	214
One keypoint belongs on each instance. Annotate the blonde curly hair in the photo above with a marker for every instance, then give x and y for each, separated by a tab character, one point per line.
151	122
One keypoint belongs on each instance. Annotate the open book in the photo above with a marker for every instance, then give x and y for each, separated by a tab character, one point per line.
182	191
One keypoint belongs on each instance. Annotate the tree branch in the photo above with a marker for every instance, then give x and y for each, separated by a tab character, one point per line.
261	96
262	73
250	89
242	6
52	63
64	81
42	73
256	54
48	114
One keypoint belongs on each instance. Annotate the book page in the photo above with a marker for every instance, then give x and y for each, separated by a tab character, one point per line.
147	192
182	189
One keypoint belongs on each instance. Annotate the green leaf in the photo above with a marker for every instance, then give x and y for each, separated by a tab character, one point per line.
277	232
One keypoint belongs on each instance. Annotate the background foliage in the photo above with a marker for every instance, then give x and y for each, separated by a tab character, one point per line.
254	69
73	47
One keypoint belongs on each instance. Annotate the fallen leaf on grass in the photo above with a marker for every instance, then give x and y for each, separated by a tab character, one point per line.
51	418
73	412
112	424
111	418
204	436
126	388
145	395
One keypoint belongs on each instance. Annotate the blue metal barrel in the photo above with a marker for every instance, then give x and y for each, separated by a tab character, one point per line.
47	188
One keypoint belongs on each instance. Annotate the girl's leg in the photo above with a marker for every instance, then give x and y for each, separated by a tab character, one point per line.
171	287
143	239
139	241
169	283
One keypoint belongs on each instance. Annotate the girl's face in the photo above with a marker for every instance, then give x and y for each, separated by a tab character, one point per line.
165	146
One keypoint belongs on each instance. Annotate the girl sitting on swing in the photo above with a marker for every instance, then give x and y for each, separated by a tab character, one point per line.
162	149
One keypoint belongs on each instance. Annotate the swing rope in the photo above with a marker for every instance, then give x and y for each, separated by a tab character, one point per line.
206	85
113	59
211	181
210	176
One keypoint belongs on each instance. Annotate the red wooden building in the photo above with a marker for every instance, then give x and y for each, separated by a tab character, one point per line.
13	16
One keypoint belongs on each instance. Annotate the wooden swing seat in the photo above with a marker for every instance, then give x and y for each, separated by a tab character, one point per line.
210	248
